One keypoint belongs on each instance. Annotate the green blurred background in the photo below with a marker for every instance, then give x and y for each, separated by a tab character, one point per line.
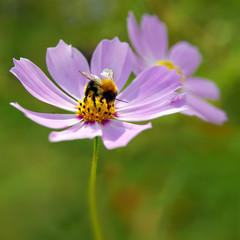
179	181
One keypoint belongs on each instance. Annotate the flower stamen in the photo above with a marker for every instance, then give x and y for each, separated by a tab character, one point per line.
171	66
95	109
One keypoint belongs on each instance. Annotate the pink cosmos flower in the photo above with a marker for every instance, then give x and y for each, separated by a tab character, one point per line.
149	96
150	41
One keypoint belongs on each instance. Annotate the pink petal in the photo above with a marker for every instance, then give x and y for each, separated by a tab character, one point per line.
172	103
155	37
40	86
49	120
79	131
152	84
205	111
64	63
115	55
119	134
186	56
135	35
139	65
202	87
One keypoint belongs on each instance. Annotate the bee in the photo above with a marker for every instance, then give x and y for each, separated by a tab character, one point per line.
104	88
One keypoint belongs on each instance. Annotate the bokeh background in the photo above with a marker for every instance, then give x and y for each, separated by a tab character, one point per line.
179	181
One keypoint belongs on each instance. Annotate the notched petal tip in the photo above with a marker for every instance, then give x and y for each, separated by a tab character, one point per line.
14	104
116	40
52	137
16	61
21	60
61	44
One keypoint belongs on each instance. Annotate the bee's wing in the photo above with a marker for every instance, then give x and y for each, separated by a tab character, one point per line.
91	77
107	73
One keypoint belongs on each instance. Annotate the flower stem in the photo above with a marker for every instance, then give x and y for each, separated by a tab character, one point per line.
92	201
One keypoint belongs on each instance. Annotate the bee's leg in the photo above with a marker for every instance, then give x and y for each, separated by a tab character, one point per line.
85	99
87	91
101	99
94	99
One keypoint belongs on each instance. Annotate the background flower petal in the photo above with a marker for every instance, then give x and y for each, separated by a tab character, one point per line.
135	35
202	87
173	103
205	110
50	120
40	86
155	37
64	63
79	131
186	56
150	85
119	134
139	65
115	55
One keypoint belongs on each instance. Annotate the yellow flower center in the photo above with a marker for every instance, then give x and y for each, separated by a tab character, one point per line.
171	66
98	110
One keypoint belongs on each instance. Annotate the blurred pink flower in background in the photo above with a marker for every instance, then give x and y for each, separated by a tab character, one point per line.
150	41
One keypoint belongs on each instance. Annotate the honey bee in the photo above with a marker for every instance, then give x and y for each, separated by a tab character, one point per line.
104	88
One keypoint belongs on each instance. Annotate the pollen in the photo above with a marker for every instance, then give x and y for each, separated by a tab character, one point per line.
171	66
97	109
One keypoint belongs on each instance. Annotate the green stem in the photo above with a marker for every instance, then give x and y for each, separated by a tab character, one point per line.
92	199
